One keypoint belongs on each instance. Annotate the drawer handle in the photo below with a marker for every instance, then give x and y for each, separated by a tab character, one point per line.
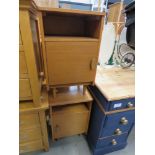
124	121
114	142
130	105
118	132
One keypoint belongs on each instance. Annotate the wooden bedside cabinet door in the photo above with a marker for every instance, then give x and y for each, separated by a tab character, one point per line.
71	62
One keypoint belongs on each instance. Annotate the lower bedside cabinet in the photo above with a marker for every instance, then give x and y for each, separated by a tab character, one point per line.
68	120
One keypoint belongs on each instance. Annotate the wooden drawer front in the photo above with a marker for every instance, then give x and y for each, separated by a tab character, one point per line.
119	121
29	121
22	63
112	141
31	146
24	89
71	62
112	105
29	135
70	120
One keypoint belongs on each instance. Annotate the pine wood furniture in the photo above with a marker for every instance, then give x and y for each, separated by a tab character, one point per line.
70	41
32	126
113	113
70	112
33	98
30	60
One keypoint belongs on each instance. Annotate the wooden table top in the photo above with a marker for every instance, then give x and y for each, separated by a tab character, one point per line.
116	83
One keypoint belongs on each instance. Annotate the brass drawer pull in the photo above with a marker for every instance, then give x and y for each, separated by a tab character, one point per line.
130	105
118	132
124	121
114	142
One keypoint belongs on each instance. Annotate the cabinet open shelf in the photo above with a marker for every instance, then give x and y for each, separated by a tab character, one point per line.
69	95
57	24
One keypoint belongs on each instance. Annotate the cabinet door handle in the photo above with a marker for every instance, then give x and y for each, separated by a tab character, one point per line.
124	121
93	64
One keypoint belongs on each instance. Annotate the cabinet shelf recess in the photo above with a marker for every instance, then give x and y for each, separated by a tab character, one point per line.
69	38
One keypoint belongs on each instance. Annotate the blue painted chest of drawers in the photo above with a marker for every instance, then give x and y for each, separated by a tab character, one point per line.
109	130
111	122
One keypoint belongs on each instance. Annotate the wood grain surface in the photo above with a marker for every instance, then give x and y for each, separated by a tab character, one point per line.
69	95
116	83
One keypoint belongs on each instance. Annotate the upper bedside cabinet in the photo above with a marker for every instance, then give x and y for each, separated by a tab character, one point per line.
71	41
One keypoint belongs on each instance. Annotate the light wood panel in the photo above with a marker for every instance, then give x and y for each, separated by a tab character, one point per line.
25	28
71	62
69	120
29	121
44	130
24	89
29	135
116	83
69	95
20	38
22	63
30	146
70	39
69	11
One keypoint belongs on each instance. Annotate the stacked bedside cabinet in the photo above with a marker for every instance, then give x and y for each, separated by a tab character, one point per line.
33	100
112	116
70	112
70	42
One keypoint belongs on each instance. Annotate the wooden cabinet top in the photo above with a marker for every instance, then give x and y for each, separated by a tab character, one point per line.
116	83
70	11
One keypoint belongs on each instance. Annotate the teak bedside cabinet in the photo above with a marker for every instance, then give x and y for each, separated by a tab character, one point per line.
70	112
71	42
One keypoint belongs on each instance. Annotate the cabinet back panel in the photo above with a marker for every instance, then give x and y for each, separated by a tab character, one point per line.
65	25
